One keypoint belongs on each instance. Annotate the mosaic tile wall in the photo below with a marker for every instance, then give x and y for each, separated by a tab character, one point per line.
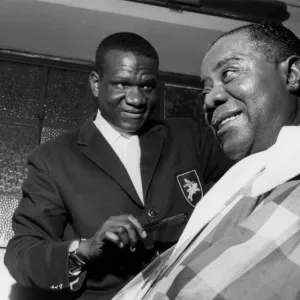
64	101
68	99
15	143
20	87
183	102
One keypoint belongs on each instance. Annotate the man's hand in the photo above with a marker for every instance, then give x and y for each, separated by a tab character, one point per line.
121	231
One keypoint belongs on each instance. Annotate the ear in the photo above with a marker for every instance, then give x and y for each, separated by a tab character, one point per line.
291	71
94	82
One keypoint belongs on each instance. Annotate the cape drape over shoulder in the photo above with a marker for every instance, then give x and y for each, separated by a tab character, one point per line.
243	239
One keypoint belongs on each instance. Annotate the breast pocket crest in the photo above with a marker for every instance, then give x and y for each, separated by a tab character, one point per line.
190	186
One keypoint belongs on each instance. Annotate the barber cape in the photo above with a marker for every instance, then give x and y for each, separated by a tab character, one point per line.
243	238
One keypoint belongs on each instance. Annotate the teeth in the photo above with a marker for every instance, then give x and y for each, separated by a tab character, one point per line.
227	120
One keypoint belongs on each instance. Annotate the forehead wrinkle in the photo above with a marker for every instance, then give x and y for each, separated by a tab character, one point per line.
135	75
142	72
128	66
134	66
237	46
126	70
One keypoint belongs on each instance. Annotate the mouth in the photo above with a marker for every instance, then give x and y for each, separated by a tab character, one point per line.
134	113
222	121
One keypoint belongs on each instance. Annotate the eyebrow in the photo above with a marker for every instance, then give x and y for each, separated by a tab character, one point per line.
125	78
224	61
221	64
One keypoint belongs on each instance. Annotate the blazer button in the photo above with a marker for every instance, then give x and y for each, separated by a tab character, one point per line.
152	213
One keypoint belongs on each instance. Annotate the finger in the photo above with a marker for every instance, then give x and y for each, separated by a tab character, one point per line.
120	230
128	233
138	226
132	235
123	233
108	225
114	238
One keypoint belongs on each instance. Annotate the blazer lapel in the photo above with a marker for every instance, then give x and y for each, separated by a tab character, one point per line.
95	147
152	143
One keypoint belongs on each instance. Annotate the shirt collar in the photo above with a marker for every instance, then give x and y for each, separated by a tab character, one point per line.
108	131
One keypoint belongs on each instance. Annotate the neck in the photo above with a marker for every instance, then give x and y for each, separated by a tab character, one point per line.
267	140
296	121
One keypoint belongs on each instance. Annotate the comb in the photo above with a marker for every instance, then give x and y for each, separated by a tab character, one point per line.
165	223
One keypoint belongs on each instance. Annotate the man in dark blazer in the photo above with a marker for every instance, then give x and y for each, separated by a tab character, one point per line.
79	227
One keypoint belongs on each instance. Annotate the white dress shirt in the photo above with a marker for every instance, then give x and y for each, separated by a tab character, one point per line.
128	149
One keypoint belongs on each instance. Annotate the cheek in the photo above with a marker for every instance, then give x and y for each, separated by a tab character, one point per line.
249	88
151	100
113	97
256	97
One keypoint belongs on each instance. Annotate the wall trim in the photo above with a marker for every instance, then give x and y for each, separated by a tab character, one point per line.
85	65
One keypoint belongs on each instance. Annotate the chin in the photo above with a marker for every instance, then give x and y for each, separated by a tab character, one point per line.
132	129
236	151
135	127
237	142
235	156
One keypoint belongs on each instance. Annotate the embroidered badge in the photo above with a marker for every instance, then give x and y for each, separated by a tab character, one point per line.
190	187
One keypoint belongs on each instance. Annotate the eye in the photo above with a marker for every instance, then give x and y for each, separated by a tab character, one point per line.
228	75
122	85
149	88
205	91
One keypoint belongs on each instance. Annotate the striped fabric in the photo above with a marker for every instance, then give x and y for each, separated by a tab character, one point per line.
244	246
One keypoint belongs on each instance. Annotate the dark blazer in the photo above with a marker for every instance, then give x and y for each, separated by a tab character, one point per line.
76	182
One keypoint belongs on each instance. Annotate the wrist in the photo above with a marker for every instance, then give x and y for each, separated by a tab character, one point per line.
83	250
76	255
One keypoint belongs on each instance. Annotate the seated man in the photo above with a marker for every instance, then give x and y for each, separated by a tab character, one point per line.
242	241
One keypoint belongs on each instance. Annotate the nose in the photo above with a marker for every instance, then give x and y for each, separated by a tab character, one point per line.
216	97
135	97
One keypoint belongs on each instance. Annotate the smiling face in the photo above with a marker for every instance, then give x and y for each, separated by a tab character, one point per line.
127	90
246	98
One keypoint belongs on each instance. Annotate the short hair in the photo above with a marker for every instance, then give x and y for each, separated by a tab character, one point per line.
125	42
274	41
